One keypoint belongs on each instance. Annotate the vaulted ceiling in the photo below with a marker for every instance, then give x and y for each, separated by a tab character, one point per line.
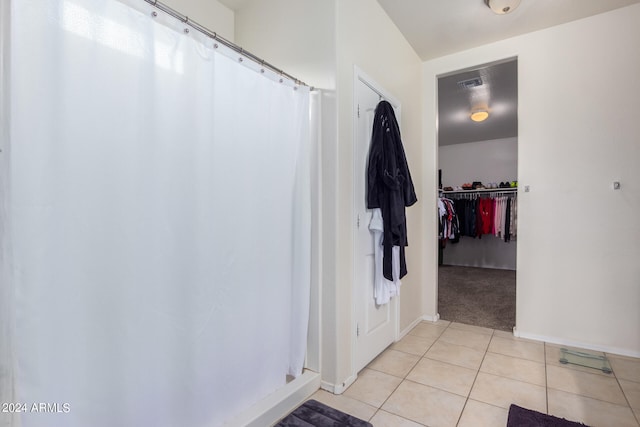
440	27
436	28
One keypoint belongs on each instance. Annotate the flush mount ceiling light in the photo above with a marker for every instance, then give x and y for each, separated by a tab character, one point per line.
480	115
502	6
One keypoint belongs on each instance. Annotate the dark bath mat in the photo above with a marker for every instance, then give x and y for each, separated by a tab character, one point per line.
521	417
315	414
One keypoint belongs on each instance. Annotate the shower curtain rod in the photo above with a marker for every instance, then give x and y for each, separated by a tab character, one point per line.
212	34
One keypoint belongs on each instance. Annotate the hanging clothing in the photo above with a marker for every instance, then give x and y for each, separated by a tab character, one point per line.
449	225
507	223
498	218
471	217
389	185
383	289
459	207
505	217
493	214
486	212
479	223
513	218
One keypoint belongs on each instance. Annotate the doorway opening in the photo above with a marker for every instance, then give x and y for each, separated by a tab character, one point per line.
477	203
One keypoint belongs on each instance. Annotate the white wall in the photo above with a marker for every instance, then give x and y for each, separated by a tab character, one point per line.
305	48
578	241
295	36
484	161
367	38
320	42
486	252
7	389
210	13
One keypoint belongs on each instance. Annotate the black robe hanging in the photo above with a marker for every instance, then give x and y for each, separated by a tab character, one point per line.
389	184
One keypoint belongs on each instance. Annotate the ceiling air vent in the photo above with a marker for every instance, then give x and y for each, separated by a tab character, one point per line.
469	83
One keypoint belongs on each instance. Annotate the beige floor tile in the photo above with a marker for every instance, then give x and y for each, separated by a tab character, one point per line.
345	404
444	376
428	330
373	387
479	414
414	344
386	419
455	354
471	328
466	338
425	405
504	334
631	390
518	348
502	392
627	368
592	412
585	384
553	358
394	362
514	368
440	322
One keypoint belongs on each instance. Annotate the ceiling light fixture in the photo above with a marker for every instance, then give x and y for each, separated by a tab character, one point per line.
480	115
502	6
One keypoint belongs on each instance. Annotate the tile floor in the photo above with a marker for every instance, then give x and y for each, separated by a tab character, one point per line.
450	374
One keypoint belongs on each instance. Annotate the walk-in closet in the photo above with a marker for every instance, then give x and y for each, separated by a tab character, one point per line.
478	191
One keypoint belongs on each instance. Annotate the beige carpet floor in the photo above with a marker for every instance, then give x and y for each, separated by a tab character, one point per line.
477	296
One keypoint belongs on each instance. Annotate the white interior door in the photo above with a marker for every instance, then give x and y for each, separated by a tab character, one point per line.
376	326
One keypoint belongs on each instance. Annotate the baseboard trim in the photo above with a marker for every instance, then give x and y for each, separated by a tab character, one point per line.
578	344
408	329
338	388
431	318
278	404
497	267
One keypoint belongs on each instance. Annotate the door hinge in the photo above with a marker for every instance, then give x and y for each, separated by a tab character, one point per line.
357	329
358	221
358	110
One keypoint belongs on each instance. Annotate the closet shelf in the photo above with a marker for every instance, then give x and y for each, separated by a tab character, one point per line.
483	190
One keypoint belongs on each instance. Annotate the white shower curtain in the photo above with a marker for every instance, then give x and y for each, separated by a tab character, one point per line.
158	194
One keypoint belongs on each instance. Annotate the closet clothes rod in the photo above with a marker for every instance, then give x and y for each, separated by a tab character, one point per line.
482	190
213	35
468	194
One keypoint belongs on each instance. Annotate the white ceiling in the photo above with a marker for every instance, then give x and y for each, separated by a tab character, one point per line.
436	28
440	27
234	4
498	94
